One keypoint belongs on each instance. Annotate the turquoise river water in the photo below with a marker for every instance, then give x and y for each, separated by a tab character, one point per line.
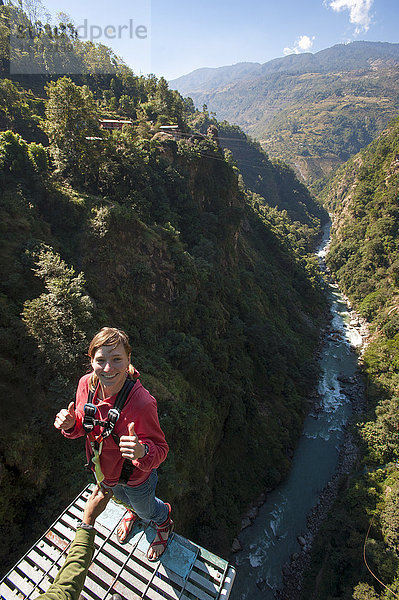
272	538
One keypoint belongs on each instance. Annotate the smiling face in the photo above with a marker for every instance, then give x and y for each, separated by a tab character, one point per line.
109	364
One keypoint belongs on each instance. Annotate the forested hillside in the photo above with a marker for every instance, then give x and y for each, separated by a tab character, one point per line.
272	179
312	110
364	258
165	238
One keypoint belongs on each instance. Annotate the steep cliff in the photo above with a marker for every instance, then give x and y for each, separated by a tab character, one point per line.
222	316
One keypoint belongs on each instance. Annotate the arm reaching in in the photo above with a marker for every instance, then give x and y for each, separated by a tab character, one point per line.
95	504
70	579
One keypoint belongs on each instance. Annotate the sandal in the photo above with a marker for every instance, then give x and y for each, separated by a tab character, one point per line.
126	523
162	536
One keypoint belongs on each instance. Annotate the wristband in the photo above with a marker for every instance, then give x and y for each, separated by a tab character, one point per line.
85	525
146	450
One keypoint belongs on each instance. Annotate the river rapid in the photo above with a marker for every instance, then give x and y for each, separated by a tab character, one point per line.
272	539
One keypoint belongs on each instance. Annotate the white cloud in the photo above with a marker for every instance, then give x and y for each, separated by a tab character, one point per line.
359	12
302	44
305	42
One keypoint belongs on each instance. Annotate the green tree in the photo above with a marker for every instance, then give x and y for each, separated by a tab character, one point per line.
59	318
71	117
390	517
14	157
364	591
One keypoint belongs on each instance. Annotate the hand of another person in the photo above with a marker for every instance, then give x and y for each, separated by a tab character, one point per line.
66	418
130	446
96	503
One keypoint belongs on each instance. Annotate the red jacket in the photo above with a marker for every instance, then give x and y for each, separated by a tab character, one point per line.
141	409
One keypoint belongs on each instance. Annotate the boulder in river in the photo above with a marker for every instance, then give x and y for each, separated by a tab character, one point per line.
345	379
286	570
294	556
236	545
301	540
252	513
261	584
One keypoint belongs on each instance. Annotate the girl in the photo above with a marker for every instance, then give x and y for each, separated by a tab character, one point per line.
124	451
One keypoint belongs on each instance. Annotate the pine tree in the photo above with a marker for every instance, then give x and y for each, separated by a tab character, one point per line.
71	117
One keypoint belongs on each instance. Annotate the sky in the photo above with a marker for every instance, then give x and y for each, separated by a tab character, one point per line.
171	38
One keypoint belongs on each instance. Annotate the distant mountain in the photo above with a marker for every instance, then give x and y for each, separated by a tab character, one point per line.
348	57
312	110
206	79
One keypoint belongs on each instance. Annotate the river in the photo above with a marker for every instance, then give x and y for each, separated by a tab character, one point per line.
272	538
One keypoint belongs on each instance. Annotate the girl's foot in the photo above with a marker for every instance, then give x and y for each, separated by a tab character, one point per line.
125	526
158	546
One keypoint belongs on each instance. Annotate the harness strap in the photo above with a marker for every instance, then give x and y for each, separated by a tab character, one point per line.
95	459
127	467
113	414
123	394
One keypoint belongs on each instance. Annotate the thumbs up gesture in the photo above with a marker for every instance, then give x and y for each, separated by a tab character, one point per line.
66	418
130	446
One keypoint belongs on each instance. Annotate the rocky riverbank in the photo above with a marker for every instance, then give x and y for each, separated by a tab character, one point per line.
353	387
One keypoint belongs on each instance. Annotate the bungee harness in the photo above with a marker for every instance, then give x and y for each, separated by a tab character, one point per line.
96	442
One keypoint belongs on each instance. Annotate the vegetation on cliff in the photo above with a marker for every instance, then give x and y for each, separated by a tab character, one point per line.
163	238
364	258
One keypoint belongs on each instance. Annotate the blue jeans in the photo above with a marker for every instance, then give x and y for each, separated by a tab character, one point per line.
142	499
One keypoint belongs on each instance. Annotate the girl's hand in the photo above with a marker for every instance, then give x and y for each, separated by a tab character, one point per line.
130	446
66	418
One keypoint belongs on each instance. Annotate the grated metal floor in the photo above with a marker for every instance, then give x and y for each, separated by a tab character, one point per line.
185	571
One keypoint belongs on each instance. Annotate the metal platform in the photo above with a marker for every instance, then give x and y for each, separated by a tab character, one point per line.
185	571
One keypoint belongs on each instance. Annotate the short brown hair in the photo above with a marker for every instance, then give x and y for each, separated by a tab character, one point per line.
109	336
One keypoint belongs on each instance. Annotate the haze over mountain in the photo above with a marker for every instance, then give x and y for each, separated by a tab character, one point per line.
312	110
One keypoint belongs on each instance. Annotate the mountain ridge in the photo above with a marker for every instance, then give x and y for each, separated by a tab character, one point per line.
205	74
313	111
292	62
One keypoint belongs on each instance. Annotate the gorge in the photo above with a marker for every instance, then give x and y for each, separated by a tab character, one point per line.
201	246
277	544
